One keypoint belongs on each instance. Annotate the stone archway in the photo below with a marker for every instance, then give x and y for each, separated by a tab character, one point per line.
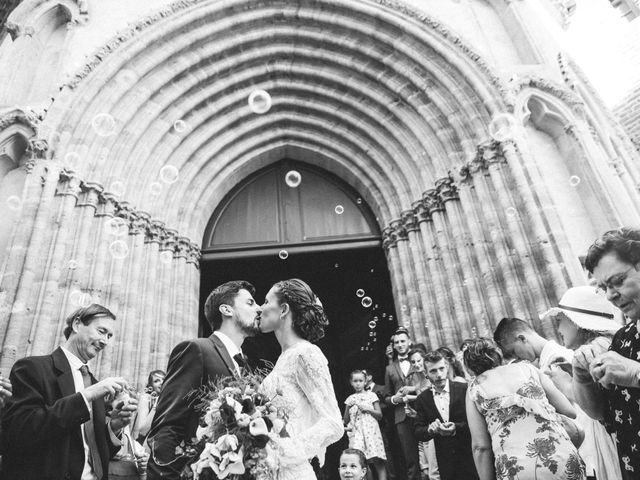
381	95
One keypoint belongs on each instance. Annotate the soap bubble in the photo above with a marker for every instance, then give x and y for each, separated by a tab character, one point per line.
293	178
155	188
72	160
502	127
166	256
72	265
574	180
14	203
104	125
360	293
366	302
117	188
259	101
372	324
180	126
359	201
169	174
119	249
339	209
283	254
511	212
117	227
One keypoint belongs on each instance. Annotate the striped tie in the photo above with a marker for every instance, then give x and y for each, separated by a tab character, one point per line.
89	431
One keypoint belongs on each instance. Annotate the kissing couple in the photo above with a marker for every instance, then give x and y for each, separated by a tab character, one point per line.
300	376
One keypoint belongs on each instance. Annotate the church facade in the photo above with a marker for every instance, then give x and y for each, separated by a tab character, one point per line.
485	158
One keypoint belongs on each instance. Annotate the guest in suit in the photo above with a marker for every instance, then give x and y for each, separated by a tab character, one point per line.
395	379
233	315
441	416
55	425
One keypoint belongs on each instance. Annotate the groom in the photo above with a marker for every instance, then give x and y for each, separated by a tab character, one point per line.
233	315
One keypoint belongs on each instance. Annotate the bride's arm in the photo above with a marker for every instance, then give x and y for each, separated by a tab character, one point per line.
314	380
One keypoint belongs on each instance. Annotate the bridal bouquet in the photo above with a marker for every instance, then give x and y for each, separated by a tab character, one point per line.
236	426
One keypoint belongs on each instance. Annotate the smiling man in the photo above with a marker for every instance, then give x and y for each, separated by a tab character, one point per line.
55	424
607	383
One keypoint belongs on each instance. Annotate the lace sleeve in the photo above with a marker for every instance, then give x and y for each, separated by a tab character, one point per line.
312	375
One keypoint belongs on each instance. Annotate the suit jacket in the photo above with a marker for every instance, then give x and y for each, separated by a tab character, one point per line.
394	379
192	364
454	454
41	423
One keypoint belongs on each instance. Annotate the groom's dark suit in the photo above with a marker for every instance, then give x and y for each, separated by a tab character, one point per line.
41	423
192	364
455	458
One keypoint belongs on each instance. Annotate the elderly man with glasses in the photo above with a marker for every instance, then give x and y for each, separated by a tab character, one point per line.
607	382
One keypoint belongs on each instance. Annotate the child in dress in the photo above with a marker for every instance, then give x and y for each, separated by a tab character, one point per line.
353	465
361	416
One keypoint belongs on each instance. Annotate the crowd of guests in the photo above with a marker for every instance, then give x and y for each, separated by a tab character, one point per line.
515	406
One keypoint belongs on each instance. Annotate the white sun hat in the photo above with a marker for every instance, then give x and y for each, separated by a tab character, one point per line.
588	310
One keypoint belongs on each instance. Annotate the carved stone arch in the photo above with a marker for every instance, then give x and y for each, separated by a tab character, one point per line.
547	113
17	129
26	15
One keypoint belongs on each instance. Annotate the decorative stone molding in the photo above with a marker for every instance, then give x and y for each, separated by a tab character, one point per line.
487	154
409	220
27	118
447	189
388	238
397	6
139	222
37	148
545	85
20	22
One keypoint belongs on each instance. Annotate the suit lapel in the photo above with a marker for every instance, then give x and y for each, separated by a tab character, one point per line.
452	392
431	403
65	376
224	354
396	363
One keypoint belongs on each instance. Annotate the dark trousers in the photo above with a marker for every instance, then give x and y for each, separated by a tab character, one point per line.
409	446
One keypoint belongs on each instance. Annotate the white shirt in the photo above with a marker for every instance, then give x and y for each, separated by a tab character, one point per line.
441	399
405	366
552	351
231	347
76	364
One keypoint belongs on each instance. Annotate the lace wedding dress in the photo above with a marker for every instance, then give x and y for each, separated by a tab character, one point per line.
300	384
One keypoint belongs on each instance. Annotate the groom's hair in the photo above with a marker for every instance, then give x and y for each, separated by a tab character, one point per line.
221	295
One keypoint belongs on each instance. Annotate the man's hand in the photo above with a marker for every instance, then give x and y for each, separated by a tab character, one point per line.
122	413
5	390
611	368
434	427
447	429
108	386
584	357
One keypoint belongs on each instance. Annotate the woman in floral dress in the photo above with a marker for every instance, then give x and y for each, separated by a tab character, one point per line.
512	411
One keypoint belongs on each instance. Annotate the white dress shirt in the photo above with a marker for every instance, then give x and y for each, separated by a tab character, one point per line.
552	351
76	364
405	366
441	399
231	347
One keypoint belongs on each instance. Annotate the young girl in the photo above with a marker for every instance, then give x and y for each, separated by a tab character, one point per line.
361	416
353	465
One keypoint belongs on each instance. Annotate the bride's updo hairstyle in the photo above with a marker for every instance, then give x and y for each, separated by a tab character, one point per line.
307	314
481	354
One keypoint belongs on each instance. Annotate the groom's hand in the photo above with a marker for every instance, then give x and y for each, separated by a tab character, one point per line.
122	414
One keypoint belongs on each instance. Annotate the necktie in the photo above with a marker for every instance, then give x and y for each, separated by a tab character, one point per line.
89	431
241	361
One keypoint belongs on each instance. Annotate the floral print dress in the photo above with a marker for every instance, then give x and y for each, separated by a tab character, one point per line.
527	436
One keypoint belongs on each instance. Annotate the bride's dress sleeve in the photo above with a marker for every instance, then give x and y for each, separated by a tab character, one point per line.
313	378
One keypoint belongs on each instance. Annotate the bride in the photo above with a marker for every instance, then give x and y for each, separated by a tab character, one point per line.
300	382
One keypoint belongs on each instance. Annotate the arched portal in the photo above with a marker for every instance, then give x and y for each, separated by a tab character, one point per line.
391	101
320	230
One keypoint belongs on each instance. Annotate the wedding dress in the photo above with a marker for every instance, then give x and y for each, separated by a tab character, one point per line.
300	385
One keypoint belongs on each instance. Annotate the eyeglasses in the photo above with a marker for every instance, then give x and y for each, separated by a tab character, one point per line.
614	282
